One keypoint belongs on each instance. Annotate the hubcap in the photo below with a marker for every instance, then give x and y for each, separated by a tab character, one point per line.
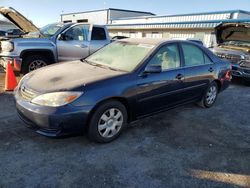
110	123
36	65
211	95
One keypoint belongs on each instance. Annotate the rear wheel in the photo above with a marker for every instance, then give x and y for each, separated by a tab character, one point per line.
33	62
210	96
107	122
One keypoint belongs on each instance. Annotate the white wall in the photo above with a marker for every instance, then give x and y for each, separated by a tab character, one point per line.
101	17
204	35
97	17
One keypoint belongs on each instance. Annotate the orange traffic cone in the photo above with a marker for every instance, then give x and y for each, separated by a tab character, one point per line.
10	78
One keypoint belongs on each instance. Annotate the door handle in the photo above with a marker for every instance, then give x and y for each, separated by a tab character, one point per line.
211	69
83	46
180	77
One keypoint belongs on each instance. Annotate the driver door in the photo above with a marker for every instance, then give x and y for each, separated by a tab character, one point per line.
74	43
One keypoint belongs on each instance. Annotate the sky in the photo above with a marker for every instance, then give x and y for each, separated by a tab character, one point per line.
43	12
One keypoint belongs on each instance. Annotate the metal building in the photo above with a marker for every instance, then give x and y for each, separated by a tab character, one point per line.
102	16
199	25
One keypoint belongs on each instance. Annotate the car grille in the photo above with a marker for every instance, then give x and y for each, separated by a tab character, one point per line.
231	57
26	94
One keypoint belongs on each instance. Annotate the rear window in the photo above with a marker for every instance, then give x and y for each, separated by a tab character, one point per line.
98	33
194	56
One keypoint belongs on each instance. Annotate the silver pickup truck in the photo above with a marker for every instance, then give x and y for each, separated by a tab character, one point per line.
53	43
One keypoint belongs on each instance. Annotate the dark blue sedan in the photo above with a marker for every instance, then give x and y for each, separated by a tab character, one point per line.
123	82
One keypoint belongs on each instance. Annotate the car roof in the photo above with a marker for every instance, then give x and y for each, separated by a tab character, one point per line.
155	42
145	41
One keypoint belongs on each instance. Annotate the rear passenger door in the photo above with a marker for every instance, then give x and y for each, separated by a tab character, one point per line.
98	38
199	70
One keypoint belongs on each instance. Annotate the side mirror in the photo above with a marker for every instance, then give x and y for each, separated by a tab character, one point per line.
62	36
153	69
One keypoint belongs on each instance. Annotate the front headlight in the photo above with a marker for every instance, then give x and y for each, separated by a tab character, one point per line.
56	99
7	46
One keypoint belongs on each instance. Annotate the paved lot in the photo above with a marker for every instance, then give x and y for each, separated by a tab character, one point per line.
185	147
1	79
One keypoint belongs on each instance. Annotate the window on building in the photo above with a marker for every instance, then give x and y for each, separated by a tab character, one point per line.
156	35
193	55
82	21
67	21
132	34
98	33
167	57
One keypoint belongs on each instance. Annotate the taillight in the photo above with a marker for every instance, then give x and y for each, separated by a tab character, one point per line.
228	75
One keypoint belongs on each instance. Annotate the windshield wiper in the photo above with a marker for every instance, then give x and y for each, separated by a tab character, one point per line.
116	69
102	66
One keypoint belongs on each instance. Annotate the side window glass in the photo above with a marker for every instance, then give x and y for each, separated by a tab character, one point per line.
167	57
207	59
192	55
98	34
78	33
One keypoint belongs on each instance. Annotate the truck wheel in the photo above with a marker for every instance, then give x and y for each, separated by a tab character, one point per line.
34	62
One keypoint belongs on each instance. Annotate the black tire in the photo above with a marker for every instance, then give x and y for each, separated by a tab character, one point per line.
94	123
29	61
205	103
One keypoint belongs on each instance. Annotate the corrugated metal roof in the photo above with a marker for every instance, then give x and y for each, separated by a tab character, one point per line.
189	14
193	24
115	9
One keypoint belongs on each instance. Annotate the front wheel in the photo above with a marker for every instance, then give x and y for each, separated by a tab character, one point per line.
34	62
210	96
107	122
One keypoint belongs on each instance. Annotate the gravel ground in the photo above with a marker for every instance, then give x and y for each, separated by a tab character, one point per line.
185	147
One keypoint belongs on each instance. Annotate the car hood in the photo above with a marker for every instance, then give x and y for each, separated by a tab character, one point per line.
233	32
18	19
66	77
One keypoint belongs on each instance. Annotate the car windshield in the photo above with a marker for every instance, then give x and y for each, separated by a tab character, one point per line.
123	56
51	29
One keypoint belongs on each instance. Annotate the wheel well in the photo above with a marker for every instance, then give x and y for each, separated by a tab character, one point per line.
119	99
218	84
45	53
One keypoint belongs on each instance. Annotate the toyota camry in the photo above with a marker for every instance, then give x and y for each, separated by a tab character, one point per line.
123	82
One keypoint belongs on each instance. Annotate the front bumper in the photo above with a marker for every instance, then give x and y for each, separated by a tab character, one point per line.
242	72
16	62
53	122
